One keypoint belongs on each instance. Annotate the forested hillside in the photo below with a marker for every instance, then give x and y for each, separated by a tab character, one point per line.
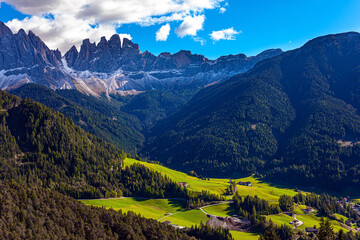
44	148
99	116
292	117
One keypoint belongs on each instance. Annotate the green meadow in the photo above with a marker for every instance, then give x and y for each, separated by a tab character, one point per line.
149	208
187	218
222	210
264	190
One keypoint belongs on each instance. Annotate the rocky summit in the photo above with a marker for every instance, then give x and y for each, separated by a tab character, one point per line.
111	66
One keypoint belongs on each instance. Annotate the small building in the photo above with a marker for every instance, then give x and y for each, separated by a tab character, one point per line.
295	222
245	184
312	230
308	210
167	222
183	184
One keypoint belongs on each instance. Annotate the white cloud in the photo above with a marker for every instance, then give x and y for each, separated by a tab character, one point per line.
190	26
222	10
200	40
64	32
72	19
225	34
163	33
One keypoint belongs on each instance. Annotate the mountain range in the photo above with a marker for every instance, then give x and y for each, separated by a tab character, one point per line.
111	66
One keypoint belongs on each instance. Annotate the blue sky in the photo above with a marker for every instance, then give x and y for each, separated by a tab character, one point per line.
258	25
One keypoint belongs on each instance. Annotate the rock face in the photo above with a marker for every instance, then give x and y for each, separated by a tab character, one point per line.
25	58
110	66
124	68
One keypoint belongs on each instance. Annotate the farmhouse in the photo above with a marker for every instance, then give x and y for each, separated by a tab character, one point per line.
245	184
183	184
295	222
308	210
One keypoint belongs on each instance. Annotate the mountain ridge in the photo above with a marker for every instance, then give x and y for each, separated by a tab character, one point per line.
110	66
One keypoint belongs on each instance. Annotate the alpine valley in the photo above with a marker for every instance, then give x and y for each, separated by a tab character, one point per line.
108	142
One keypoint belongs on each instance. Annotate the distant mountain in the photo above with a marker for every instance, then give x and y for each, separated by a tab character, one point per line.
110	66
294	117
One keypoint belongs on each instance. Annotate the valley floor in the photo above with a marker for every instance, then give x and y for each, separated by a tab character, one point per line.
172	211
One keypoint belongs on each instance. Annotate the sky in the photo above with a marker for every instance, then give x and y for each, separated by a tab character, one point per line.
212	28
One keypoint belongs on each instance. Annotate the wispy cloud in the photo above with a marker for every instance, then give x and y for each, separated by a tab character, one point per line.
200	40
225	34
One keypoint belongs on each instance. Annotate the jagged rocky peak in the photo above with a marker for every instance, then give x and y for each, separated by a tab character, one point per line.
57	54
4	30
71	56
115	43
22	33
26	58
87	49
129	44
103	45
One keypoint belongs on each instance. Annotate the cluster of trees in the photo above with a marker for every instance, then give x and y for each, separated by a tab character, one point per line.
325	204
196	200
231	189
273	232
253	208
207	232
286	203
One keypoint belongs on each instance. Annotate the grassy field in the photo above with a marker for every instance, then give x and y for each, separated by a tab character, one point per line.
311	220
244	235
222	210
280	219
187	218
149	208
298	209
264	190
